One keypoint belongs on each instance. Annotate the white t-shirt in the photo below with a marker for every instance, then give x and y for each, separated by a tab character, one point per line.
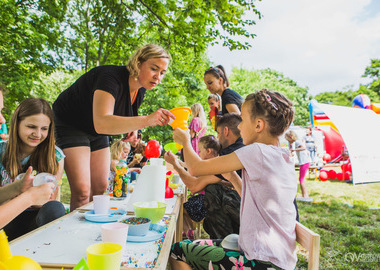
303	155
267	213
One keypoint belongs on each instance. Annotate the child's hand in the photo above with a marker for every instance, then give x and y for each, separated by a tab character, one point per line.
170	157
27	180
181	136
41	194
137	158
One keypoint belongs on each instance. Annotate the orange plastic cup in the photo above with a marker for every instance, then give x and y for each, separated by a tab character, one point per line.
182	116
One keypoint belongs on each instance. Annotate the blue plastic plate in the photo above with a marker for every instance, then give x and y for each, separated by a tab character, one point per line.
113	216
155	232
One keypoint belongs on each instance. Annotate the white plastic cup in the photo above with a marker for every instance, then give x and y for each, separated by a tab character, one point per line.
115	233
101	204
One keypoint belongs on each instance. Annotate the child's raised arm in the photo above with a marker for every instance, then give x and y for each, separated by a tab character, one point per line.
196	166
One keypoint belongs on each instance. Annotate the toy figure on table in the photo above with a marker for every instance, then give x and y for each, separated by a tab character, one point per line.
120	187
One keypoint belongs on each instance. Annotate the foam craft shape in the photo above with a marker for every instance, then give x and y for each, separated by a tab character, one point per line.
150	185
182	116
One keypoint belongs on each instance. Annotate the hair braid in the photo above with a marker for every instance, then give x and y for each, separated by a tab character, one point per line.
274	107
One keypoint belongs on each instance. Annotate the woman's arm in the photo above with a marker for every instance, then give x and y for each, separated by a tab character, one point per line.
232	108
105	122
33	196
197	166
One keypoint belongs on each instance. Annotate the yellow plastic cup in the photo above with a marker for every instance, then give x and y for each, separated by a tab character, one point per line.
104	256
182	116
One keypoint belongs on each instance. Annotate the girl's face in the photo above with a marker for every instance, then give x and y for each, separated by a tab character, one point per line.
202	152
205	153
152	72
213	103
213	84
247	126
34	129
124	153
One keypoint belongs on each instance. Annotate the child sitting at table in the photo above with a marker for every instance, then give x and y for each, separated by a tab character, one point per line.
268	187
119	151
31	143
194	208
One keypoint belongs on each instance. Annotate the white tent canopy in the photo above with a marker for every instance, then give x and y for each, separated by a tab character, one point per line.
360	130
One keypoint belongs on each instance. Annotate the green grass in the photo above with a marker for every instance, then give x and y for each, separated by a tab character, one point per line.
349	229
341	214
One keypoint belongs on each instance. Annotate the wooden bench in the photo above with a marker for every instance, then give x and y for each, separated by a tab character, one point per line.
310	241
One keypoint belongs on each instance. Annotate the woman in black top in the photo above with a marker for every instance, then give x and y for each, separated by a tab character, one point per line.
217	82
104	101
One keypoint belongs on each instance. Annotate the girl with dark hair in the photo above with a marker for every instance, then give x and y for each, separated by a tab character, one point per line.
267	236
217	82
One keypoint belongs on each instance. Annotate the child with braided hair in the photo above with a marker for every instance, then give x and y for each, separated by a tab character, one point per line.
267	189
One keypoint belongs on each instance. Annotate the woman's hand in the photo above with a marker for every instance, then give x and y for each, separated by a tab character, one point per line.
181	136
160	117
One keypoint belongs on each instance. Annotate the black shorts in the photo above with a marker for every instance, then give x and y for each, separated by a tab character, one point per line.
67	136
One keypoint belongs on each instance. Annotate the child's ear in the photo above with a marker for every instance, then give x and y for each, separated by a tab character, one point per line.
260	124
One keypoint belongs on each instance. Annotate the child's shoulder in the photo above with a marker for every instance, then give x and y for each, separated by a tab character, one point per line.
59	153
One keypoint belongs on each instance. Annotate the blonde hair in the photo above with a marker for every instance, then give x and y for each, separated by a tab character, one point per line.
291	135
117	148
43	158
143	54
198	111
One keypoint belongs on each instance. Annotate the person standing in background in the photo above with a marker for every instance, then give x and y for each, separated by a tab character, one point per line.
217	82
303	161
198	125
310	144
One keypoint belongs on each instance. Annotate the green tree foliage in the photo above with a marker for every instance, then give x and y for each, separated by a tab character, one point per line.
345	98
247	81
373	72
107	31
30	40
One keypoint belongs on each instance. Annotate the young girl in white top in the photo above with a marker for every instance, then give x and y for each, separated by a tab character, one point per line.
267	215
304	161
